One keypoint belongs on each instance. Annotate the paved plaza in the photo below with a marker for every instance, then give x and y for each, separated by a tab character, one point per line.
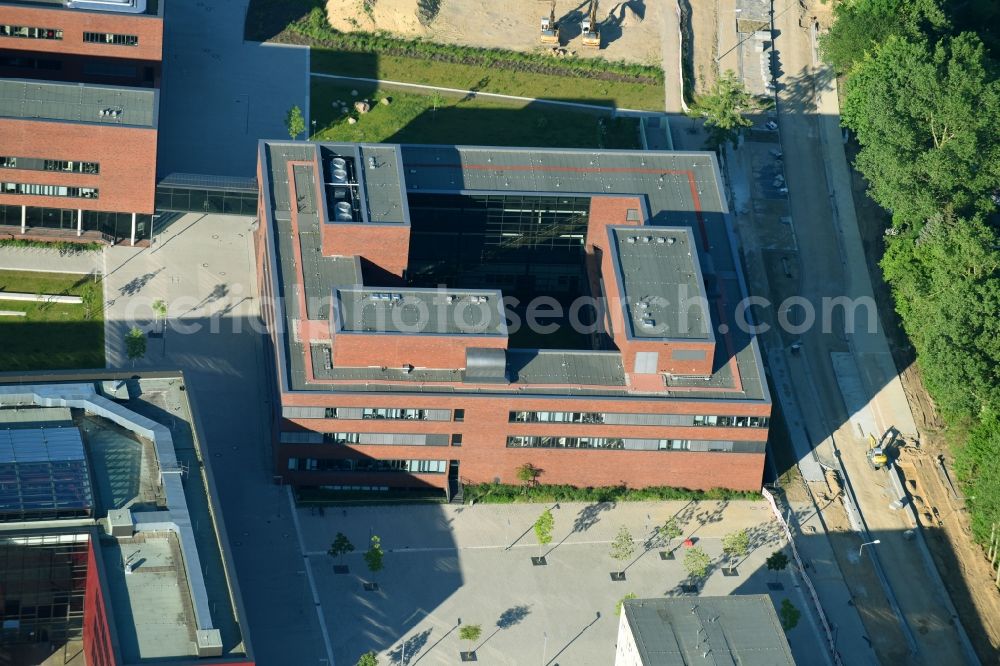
202	267
473	563
221	94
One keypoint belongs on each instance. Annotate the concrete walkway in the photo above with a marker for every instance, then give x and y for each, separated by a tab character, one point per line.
49	260
615	111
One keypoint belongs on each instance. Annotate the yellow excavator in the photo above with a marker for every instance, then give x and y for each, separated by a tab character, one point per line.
550	29
878	451
588	27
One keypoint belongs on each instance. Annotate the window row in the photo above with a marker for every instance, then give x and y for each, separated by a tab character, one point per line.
388	413
373	438
49	190
39	164
110	38
638	419
29	33
368	465
732	421
632	444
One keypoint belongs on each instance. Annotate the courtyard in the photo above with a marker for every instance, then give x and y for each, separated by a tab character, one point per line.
449	565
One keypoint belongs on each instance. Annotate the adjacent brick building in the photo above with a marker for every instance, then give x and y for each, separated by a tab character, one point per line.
397	283
79	97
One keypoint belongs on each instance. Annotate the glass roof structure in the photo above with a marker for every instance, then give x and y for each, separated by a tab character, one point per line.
43	475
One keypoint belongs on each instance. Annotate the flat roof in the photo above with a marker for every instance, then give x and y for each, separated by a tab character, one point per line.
372	180
78	103
384	310
114	7
663	297
679	190
177	601
740	629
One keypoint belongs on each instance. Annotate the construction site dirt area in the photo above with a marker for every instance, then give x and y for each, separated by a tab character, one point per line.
629	31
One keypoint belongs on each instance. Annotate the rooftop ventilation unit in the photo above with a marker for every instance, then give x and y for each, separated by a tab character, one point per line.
648	323
339	176
342	212
449	299
661	240
671	240
630	239
646	239
338	163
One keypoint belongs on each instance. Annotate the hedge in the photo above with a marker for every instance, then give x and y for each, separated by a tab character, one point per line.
500	493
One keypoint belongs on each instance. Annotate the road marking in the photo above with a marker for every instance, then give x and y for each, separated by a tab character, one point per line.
312	580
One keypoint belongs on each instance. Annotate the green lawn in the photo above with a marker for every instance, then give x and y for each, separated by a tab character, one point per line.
412	118
626	95
51	336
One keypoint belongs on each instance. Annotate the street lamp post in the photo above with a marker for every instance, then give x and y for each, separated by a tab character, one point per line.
868	543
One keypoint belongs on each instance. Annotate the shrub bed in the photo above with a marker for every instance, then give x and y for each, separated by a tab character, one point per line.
501	493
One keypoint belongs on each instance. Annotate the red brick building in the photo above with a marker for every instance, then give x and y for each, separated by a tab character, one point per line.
443	315
79	97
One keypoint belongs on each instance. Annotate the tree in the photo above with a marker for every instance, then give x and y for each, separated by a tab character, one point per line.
623	545
776	562
368	659
295	123
341	546
374	555
927	117
621	603
725	109
543	528
946	284
471	633
697	562
160	310
860	27
736	543
669	531
977	465
789	615
135	344
528	475
436	101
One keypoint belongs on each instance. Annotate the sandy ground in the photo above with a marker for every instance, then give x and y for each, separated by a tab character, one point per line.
512	24
704	44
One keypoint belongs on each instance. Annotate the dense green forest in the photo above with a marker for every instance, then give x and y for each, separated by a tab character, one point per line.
922	95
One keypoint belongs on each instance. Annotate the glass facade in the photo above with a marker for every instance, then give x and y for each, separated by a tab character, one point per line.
113	227
44	580
204	200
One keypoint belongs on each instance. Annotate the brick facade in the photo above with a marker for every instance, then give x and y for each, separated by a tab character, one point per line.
127	155
484	455
73	23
